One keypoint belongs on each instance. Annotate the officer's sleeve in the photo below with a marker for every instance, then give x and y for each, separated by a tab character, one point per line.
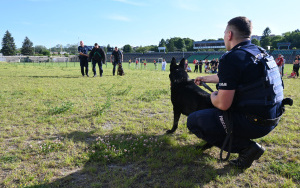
228	73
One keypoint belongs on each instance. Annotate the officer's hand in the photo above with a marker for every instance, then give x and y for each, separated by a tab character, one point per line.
215	93
198	80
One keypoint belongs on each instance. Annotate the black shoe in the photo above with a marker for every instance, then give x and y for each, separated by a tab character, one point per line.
87	75
101	75
247	156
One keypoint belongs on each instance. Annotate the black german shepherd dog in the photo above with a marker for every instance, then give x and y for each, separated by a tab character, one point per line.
120	70
186	96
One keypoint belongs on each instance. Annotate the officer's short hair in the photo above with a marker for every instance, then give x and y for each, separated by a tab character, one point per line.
96	44
242	25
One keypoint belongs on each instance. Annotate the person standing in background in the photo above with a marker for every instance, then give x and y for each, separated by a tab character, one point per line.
118	58
83	58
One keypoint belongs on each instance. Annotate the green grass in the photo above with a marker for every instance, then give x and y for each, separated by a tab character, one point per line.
59	129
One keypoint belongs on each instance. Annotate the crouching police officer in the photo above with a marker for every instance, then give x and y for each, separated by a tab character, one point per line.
248	101
97	56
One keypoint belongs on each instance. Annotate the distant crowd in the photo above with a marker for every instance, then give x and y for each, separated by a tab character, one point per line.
209	66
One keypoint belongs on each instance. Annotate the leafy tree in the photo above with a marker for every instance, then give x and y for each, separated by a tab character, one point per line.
181	44
71	48
162	43
45	52
255	41
27	47
189	44
142	49
170	46
265	42
127	49
293	38
275	40
267	32
8	44
39	49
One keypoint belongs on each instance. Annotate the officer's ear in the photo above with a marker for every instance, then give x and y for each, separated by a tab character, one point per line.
230	35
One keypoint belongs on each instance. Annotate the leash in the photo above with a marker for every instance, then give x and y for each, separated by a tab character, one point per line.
206	86
228	123
229	137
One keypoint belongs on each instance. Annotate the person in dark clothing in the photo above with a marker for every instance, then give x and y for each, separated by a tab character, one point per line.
196	65
83	58
200	66
118	58
97	56
244	97
296	65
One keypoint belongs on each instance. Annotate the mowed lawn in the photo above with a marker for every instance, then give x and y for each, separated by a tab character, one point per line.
59	129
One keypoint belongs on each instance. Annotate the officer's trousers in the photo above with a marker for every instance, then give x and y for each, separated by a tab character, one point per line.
84	63
210	126
115	63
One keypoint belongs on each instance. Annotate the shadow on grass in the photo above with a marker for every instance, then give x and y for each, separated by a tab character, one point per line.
126	160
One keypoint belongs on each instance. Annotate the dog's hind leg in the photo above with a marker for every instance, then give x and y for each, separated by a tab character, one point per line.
177	114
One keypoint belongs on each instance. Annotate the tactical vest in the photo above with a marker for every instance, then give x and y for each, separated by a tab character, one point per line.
267	90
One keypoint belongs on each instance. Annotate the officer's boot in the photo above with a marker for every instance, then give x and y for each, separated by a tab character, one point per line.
247	156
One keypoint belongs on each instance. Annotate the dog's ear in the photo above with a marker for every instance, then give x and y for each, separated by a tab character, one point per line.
182	62
173	62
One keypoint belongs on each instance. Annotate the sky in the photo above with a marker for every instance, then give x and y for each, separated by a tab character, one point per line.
138	22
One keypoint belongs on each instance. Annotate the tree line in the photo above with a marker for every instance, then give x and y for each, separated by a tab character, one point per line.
268	40
175	44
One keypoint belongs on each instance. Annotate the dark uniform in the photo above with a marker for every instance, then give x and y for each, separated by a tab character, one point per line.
200	66
97	56
256	100
84	59
117	59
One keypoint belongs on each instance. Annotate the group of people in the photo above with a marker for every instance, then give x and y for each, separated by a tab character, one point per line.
97	56
209	66
163	64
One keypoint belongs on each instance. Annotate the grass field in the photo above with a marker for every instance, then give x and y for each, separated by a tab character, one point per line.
59	129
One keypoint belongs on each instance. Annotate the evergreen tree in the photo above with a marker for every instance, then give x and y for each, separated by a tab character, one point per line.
27	47
8	44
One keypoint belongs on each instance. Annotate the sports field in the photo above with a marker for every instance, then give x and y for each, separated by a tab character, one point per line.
59	129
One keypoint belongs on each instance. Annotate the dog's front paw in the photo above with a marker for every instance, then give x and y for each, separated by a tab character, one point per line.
170	131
